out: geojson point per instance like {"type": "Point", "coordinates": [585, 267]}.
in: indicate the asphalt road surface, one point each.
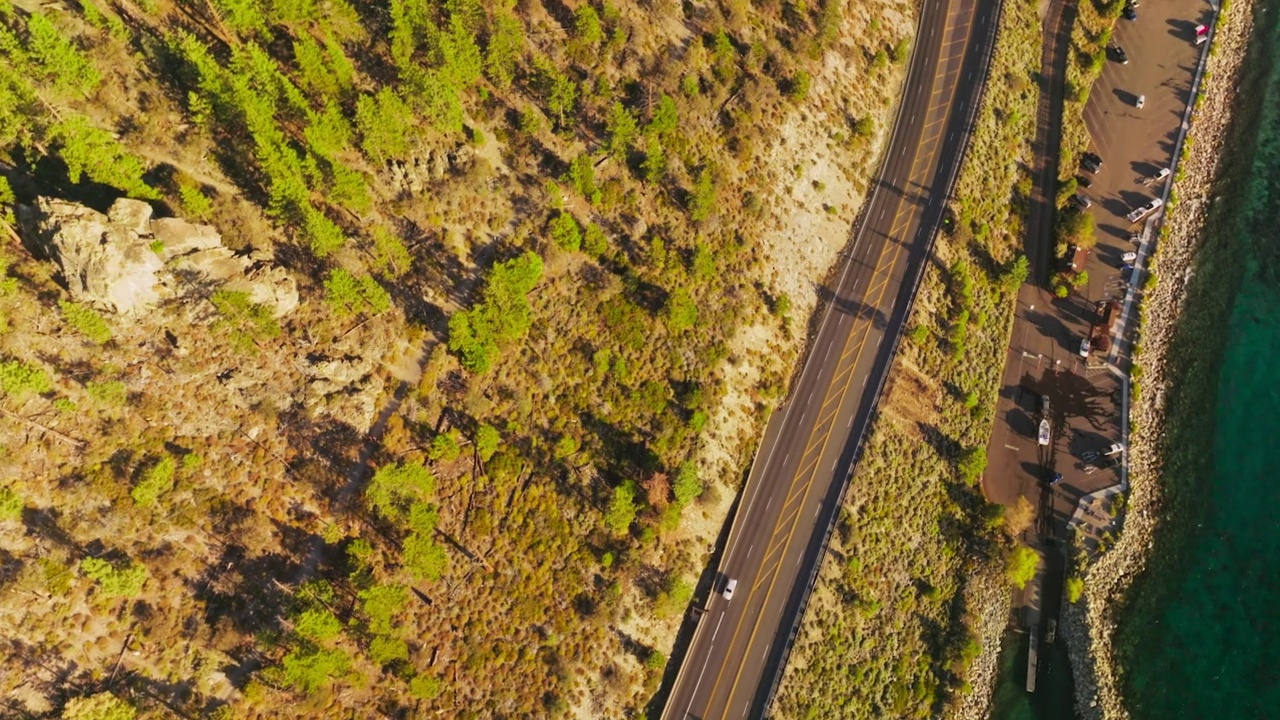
{"type": "Point", "coordinates": [807, 454]}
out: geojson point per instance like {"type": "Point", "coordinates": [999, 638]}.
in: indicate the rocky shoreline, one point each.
{"type": "Point", "coordinates": [1089, 626]}
{"type": "Point", "coordinates": [991, 601]}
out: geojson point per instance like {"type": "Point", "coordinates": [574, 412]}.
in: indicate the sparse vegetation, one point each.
{"type": "Point", "coordinates": [457, 408]}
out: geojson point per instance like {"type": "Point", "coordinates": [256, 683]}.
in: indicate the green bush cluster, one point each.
{"type": "Point", "coordinates": [115, 580]}
{"type": "Point", "coordinates": [245, 323]}
{"type": "Point", "coordinates": [86, 320]}
{"type": "Point", "coordinates": [501, 317]}
{"type": "Point", "coordinates": [402, 495]}
{"type": "Point", "coordinates": [348, 294]}
{"type": "Point", "coordinates": [155, 481]}
{"type": "Point", "coordinates": [18, 379]}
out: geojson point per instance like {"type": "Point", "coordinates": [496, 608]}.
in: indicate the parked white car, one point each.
{"type": "Point", "coordinates": [1145, 210]}
{"type": "Point", "coordinates": [1129, 257]}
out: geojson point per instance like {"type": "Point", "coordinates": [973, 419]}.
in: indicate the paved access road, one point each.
{"type": "Point", "coordinates": [807, 453]}
{"type": "Point", "coordinates": [1085, 395]}
{"type": "Point", "coordinates": [1133, 143]}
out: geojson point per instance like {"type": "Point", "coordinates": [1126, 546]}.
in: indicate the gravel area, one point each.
{"type": "Point", "coordinates": [1089, 626]}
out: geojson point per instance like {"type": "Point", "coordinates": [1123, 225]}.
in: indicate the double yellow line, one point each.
{"type": "Point", "coordinates": [837, 391]}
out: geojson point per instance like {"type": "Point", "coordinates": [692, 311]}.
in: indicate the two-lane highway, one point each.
{"type": "Point", "coordinates": [809, 448]}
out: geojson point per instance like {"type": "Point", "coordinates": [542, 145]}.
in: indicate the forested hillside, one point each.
{"type": "Point", "coordinates": [466, 317]}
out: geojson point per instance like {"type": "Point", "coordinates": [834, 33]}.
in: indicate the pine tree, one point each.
{"type": "Point", "coordinates": [91, 151]}
{"type": "Point", "coordinates": [58, 59]}
{"type": "Point", "coordinates": [385, 123]}
{"type": "Point", "coordinates": [506, 45]}
{"type": "Point", "coordinates": [622, 129]}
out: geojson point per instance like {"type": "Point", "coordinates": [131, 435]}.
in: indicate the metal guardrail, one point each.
{"type": "Point", "coordinates": [915, 286]}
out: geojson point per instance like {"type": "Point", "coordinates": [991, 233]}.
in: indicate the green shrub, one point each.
{"type": "Point", "coordinates": [654, 166]}
{"type": "Point", "coordinates": [424, 557]}
{"type": "Point", "coordinates": [86, 320]}
{"type": "Point", "coordinates": [1023, 563]}
{"type": "Point", "coordinates": [425, 687]}
{"type": "Point", "coordinates": [18, 379]}
{"type": "Point", "coordinates": [383, 650]}
{"type": "Point", "coordinates": [310, 669]}
{"type": "Point", "coordinates": [800, 84]}
{"type": "Point", "coordinates": [317, 624]}
{"type": "Point", "coordinates": [687, 486]}
{"type": "Point", "coordinates": [502, 316]}
{"type": "Point", "coordinates": [901, 51]}
{"type": "Point", "coordinates": [245, 323]}
{"type": "Point", "coordinates": [594, 242]}
{"type": "Point", "coordinates": [156, 481]}
{"type": "Point", "coordinates": [115, 580]}
{"type": "Point", "coordinates": [195, 204]}
{"type": "Point", "coordinates": [347, 294]}
{"type": "Point", "coordinates": [702, 198]}
{"type": "Point", "coordinates": [622, 129]}
{"type": "Point", "coordinates": [94, 152]}
{"type": "Point", "coordinates": [680, 311]}
{"type": "Point", "coordinates": [108, 392]}
{"type": "Point", "coordinates": [395, 488]}
{"type": "Point", "coordinates": [655, 661]}
{"type": "Point", "coordinates": [381, 603]}
{"type": "Point", "coordinates": [11, 504]}
{"type": "Point", "coordinates": [972, 463]}
{"type": "Point", "coordinates": [444, 447]}
{"type": "Point", "coordinates": [103, 706]}
{"type": "Point", "coordinates": [622, 509]}
{"type": "Point", "coordinates": [675, 598]}
{"type": "Point", "coordinates": [1075, 588]}
{"type": "Point", "coordinates": [582, 176]}
{"type": "Point", "coordinates": [565, 232]}
{"type": "Point", "coordinates": [486, 442]}
{"type": "Point", "coordinates": [385, 123]}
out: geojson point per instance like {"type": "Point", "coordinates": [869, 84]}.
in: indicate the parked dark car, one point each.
{"type": "Point", "coordinates": [1122, 57]}
{"type": "Point", "coordinates": [1130, 13]}
{"type": "Point", "coordinates": [1091, 162]}
{"type": "Point", "coordinates": [1083, 181]}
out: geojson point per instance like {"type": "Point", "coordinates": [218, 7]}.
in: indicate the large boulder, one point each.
{"type": "Point", "coordinates": [105, 261]}
{"type": "Point", "coordinates": [126, 263]}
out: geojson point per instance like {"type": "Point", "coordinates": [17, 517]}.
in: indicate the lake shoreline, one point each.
{"type": "Point", "coordinates": [1090, 626]}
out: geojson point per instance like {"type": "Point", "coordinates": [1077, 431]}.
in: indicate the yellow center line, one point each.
{"type": "Point", "coordinates": [795, 478]}
{"type": "Point", "coordinates": [855, 349]}
{"type": "Point", "coordinates": [791, 534]}
{"type": "Point", "coordinates": [808, 484]}
{"type": "Point", "coordinates": [935, 122]}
